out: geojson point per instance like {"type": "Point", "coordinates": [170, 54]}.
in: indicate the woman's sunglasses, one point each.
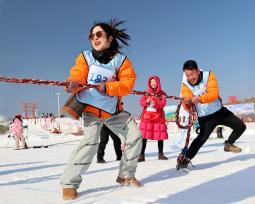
{"type": "Point", "coordinates": [98, 34]}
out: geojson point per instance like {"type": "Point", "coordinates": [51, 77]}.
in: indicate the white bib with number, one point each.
{"type": "Point", "coordinates": [98, 73]}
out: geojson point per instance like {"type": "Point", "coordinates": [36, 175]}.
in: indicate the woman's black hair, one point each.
{"type": "Point", "coordinates": [111, 29]}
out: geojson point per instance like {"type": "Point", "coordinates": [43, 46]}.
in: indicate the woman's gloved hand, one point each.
{"type": "Point", "coordinates": [102, 88]}
{"type": "Point", "coordinates": [71, 85]}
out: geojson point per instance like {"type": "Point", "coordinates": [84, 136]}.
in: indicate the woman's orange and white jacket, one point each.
{"type": "Point", "coordinates": [121, 87]}
{"type": "Point", "coordinates": [208, 92]}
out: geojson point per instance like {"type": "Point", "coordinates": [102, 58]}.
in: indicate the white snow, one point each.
{"type": "Point", "coordinates": [32, 176]}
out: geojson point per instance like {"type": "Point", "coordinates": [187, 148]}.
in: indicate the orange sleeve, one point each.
{"type": "Point", "coordinates": [212, 90]}
{"type": "Point", "coordinates": [186, 93]}
{"type": "Point", "coordinates": [79, 72]}
{"type": "Point", "coordinates": [125, 83]}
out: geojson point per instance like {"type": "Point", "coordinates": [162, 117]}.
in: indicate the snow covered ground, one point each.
{"type": "Point", "coordinates": [32, 176]}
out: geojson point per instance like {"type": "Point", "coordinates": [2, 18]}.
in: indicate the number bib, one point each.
{"type": "Point", "coordinates": [98, 74]}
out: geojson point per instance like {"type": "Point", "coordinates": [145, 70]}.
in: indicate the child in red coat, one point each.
{"type": "Point", "coordinates": [153, 123]}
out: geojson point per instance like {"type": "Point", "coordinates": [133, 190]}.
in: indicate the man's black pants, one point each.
{"type": "Point", "coordinates": [207, 125]}
{"type": "Point", "coordinates": [104, 138]}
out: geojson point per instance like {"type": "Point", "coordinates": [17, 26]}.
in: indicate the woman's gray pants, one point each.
{"type": "Point", "coordinates": [124, 127]}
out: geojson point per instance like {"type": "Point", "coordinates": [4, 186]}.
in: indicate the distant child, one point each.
{"type": "Point", "coordinates": [17, 132]}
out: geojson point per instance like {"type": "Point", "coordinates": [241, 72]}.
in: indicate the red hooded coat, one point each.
{"type": "Point", "coordinates": [153, 122]}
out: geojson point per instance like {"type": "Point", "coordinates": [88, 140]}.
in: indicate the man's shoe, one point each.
{"type": "Point", "coordinates": [161, 156]}
{"type": "Point", "coordinates": [100, 161]}
{"type": "Point", "coordinates": [231, 148]}
{"type": "Point", "coordinates": [182, 162]}
{"type": "Point", "coordinates": [141, 158]}
{"type": "Point", "coordinates": [69, 193]}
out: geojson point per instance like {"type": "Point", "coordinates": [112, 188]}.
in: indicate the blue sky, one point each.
{"type": "Point", "coordinates": [41, 39]}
